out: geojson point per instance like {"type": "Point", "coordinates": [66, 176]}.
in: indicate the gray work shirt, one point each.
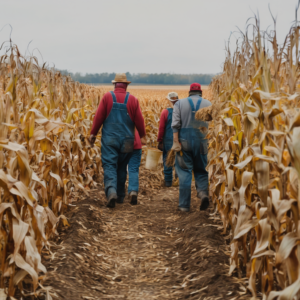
{"type": "Point", "coordinates": [182, 112]}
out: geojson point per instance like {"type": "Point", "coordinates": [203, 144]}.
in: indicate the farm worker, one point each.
{"type": "Point", "coordinates": [190, 143]}
{"type": "Point", "coordinates": [119, 113]}
{"type": "Point", "coordinates": [133, 170]}
{"type": "Point", "coordinates": [165, 136]}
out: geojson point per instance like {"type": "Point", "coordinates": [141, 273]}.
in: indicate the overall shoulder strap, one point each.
{"type": "Point", "coordinates": [191, 104]}
{"type": "Point", "coordinates": [126, 98]}
{"type": "Point", "coordinates": [198, 104]}
{"type": "Point", "coordinates": [114, 97]}
{"type": "Point", "coordinates": [170, 114]}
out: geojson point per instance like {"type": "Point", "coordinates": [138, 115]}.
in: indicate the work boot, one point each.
{"type": "Point", "coordinates": [133, 196]}
{"type": "Point", "coordinates": [185, 209]}
{"type": "Point", "coordinates": [203, 195]}
{"type": "Point", "coordinates": [120, 200]}
{"type": "Point", "coordinates": [111, 200]}
{"type": "Point", "coordinates": [204, 203]}
{"type": "Point", "coordinates": [168, 183]}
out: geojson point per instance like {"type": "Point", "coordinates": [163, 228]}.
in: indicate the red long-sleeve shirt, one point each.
{"type": "Point", "coordinates": [133, 108]}
{"type": "Point", "coordinates": [137, 141]}
{"type": "Point", "coordinates": [162, 125]}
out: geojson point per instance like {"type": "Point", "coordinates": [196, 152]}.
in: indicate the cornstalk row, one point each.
{"type": "Point", "coordinates": [254, 161]}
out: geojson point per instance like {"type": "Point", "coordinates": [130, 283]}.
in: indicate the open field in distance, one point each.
{"type": "Point", "coordinates": [153, 87]}
{"type": "Point", "coordinates": [158, 92]}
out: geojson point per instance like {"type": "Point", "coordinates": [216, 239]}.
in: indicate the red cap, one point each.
{"type": "Point", "coordinates": [195, 87]}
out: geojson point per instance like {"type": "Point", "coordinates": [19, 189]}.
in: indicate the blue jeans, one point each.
{"type": "Point", "coordinates": [115, 170]}
{"type": "Point", "coordinates": [168, 171]}
{"type": "Point", "coordinates": [133, 170]}
{"type": "Point", "coordinates": [184, 165]}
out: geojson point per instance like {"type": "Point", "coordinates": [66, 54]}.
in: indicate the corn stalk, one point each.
{"type": "Point", "coordinates": [44, 160]}
{"type": "Point", "coordinates": [254, 161]}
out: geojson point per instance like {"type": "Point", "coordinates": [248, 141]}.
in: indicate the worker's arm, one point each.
{"type": "Point", "coordinates": [176, 125]}
{"type": "Point", "coordinates": [137, 118]}
{"type": "Point", "coordinates": [140, 126]}
{"type": "Point", "coordinates": [102, 112]}
{"type": "Point", "coordinates": [144, 140]}
{"type": "Point", "coordinates": [162, 125]}
{"type": "Point", "coordinates": [162, 128]}
{"type": "Point", "coordinates": [176, 118]}
{"type": "Point", "coordinates": [176, 145]}
{"type": "Point", "coordinates": [101, 115]}
{"type": "Point", "coordinates": [137, 141]}
{"type": "Point", "coordinates": [175, 137]}
{"type": "Point", "coordinates": [139, 121]}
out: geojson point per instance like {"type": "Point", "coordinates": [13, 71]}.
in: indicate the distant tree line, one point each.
{"type": "Point", "coordinates": [142, 78]}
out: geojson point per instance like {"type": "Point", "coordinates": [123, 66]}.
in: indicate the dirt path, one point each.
{"type": "Point", "coordinates": [149, 251]}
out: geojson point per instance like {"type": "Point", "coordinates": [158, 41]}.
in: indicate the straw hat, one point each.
{"type": "Point", "coordinates": [172, 95]}
{"type": "Point", "coordinates": [120, 77]}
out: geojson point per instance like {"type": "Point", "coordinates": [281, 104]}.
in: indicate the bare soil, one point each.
{"type": "Point", "coordinates": [148, 251]}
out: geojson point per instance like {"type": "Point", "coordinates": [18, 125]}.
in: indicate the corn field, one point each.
{"type": "Point", "coordinates": [45, 160]}
{"type": "Point", "coordinates": [254, 161]}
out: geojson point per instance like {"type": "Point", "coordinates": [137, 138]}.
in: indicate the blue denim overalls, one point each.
{"type": "Point", "coordinates": [116, 147]}
{"type": "Point", "coordinates": [133, 170]}
{"type": "Point", "coordinates": [193, 158]}
{"type": "Point", "coordinates": [167, 145]}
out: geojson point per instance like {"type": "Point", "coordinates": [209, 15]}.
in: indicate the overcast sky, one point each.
{"type": "Point", "coordinates": [150, 36]}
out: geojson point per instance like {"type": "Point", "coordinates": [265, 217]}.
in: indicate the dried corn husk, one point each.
{"type": "Point", "coordinates": [254, 161]}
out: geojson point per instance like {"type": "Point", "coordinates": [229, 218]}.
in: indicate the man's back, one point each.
{"type": "Point", "coordinates": [106, 105]}
{"type": "Point", "coordinates": [182, 111]}
{"type": "Point", "coordinates": [191, 147]}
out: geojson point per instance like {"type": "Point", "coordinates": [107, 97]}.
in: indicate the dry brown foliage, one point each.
{"type": "Point", "coordinates": [44, 160]}
{"type": "Point", "coordinates": [170, 161]}
{"type": "Point", "coordinates": [209, 113]}
{"type": "Point", "coordinates": [254, 163]}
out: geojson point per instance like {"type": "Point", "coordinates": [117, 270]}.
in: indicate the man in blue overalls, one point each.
{"type": "Point", "coordinates": [119, 113]}
{"type": "Point", "coordinates": [165, 136]}
{"type": "Point", "coordinates": [190, 143]}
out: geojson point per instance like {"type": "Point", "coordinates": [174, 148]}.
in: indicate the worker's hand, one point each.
{"type": "Point", "coordinates": [160, 146]}
{"type": "Point", "coordinates": [92, 140]}
{"type": "Point", "coordinates": [176, 146]}
{"type": "Point", "coordinates": [144, 140]}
